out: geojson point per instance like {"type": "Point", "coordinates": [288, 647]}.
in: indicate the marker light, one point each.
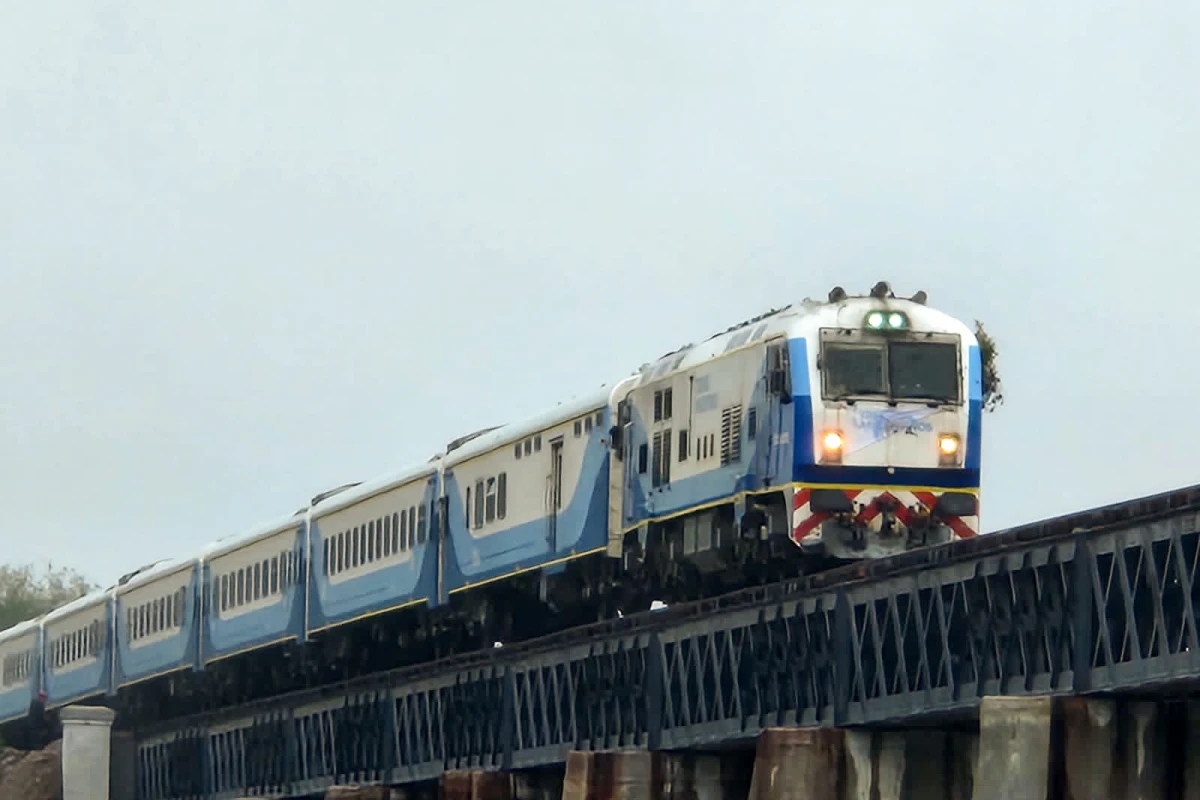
{"type": "Point", "coordinates": [833, 440]}
{"type": "Point", "coordinates": [890, 320]}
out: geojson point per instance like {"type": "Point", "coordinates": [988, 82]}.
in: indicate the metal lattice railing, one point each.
{"type": "Point", "coordinates": [1099, 601]}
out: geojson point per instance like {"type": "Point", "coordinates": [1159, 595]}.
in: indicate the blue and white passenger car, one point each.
{"type": "Point", "coordinates": [253, 590]}
{"type": "Point", "coordinates": [78, 659]}
{"type": "Point", "coordinates": [528, 495]}
{"type": "Point", "coordinates": [20, 668]}
{"type": "Point", "coordinates": [374, 549]}
{"type": "Point", "coordinates": [158, 621]}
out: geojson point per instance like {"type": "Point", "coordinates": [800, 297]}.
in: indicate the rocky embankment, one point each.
{"type": "Point", "coordinates": [35, 775]}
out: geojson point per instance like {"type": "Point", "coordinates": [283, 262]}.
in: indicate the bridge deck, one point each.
{"type": "Point", "coordinates": [1101, 601]}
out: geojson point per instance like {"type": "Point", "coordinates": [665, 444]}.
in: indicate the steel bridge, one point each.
{"type": "Point", "coordinates": [1101, 601]}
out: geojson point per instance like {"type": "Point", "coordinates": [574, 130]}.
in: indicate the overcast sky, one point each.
{"type": "Point", "coordinates": [250, 251]}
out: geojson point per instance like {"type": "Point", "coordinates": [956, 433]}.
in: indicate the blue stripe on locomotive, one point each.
{"type": "Point", "coordinates": [769, 454]}
{"type": "Point", "coordinates": [582, 525]}
{"type": "Point", "coordinates": [249, 630]}
{"type": "Point", "coordinates": [14, 701]}
{"type": "Point", "coordinates": [85, 680]}
{"type": "Point", "coordinates": [137, 663]}
{"type": "Point", "coordinates": [382, 589]}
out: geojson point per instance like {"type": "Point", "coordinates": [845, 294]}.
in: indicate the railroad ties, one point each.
{"type": "Point", "coordinates": [851, 676]}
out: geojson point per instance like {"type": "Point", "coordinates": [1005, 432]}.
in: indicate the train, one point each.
{"type": "Point", "coordinates": [829, 430]}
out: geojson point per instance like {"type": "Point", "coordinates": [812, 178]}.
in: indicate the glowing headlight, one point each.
{"type": "Point", "coordinates": [832, 441]}
{"type": "Point", "coordinates": [948, 444]}
{"type": "Point", "coordinates": [875, 320]}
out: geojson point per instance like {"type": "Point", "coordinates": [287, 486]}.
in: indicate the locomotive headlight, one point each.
{"type": "Point", "coordinates": [948, 446]}
{"type": "Point", "coordinates": [832, 443]}
{"type": "Point", "coordinates": [896, 321]}
{"type": "Point", "coordinates": [875, 320]}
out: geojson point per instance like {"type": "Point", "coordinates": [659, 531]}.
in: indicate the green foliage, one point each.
{"type": "Point", "coordinates": [26, 593]}
{"type": "Point", "coordinates": [993, 395]}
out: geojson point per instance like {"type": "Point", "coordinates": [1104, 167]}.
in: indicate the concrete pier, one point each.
{"type": "Point", "coordinates": [86, 752]}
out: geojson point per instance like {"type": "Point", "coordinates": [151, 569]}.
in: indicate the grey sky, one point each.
{"type": "Point", "coordinates": [253, 251]}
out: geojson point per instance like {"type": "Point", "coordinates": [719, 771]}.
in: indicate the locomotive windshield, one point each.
{"type": "Point", "coordinates": [897, 370]}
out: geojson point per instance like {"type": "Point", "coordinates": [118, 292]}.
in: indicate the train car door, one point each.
{"type": "Point", "coordinates": [554, 492]}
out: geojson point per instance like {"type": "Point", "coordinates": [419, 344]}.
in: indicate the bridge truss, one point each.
{"type": "Point", "coordinates": [1097, 602]}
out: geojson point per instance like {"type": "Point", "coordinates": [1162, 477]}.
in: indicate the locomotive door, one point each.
{"type": "Point", "coordinates": [554, 492]}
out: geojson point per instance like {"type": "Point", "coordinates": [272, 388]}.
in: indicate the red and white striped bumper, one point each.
{"type": "Point", "coordinates": [884, 518]}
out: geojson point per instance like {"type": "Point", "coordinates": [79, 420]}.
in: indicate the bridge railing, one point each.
{"type": "Point", "coordinates": [1098, 602]}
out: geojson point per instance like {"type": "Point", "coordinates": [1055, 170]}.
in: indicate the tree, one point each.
{"type": "Point", "coordinates": [26, 593]}
{"type": "Point", "coordinates": [993, 392]}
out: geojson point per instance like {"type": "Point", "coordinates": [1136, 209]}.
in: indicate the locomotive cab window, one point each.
{"type": "Point", "coordinates": [915, 368]}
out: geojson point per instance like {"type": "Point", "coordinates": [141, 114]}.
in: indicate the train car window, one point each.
{"type": "Point", "coordinates": [241, 588]}
{"type": "Point", "coordinates": [683, 444]}
{"type": "Point", "coordinates": [379, 538]}
{"type": "Point", "coordinates": [326, 563]}
{"type": "Point", "coordinates": [370, 541]}
{"type": "Point", "coordinates": [599, 419]}
{"type": "Point", "coordinates": [490, 501]}
{"type": "Point", "coordinates": [528, 446]}
{"type": "Point", "coordinates": [537, 444]}
{"type": "Point", "coordinates": [129, 623]}
{"type": "Point", "coordinates": [403, 530]}
{"type": "Point", "coordinates": [180, 600]}
{"type": "Point", "coordinates": [578, 429]}
{"type": "Point", "coordinates": [396, 541]}
{"type": "Point", "coordinates": [422, 522]}
{"type": "Point", "coordinates": [751, 423]}
{"type": "Point", "coordinates": [587, 425]}
{"type": "Point", "coordinates": [274, 576]}
{"type": "Point", "coordinates": [254, 590]}
{"type": "Point", "coordinates": [643, 458]}
{"type": "Point", "coordinates": [517, 451]}
{"type": "Point", "coordinates": [501, 495]}
{"type": "Point", "coordinates": [467, 509]}
{"type": "Point", "coordinates": [480, 501]}
{"type": "Point", "coordinates": [225, 592]}
{"type": "Point", "coordinates": [412, 526]}
{"type": "Point", "coordinates": [387, 536]}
